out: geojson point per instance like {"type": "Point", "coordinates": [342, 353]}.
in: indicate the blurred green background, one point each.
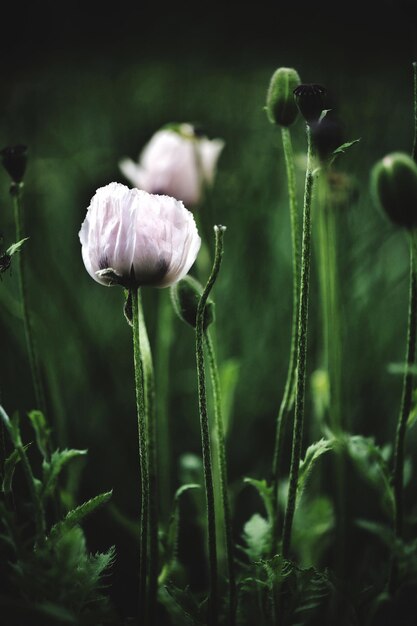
{"type": "Point", "coordinates": [83, 89]}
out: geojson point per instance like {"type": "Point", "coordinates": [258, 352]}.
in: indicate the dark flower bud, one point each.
{"type": "Point", "coordinates": [280, 106]}
{"type": "Point", "coordinates": [185, 296]}
{"type": "Point", "coordinates": [394, 187]}
{"type": "Point", "coordinates": [14, 160]}
{"type": "Point", "coordinates": [310, 101]}
{"type": "Point", "coordinates": [326, 135]}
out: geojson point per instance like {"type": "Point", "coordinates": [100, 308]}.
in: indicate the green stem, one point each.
{"type": "Point", "coordinates": [150, 418]}
{"type": "Point", "coordinates": [143, 456]}
{"type": "Point", "coordinates": [205, 431]}
{"type": "Point", "coordinates": [221, 446]}
{"type": "Point", "coordinates": [332, 343]}
{"type": "Point", "coordinates": [301, 355]}
{"type": "Point", "coordinates": [164, 342]}
{"type": "Point", "coordinates": [406, 403]}
{"type": "Point", "coordinates": [30, 479]}
{"type": "Point", "coordinates": [16, 191]}
{"type": "Point", "coordinates": [414, 152]}
{"type": "Point", "coordinates": [287, 399]}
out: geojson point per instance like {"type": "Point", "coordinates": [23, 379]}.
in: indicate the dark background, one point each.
{"type": "Point", "coordinates": [82, 86]}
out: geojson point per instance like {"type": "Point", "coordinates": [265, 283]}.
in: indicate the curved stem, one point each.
{"type": "Point", "coordinates": [150, 418]}
{"type": "Point", "coordinates": [301, 355]}
{"type": "Point", "coordinates": [221, 445]}
{"type": "Point", "coordinates": [205, 430]}
{"type": "Point", "coordinates": [16, 191]}
{"type": "Point", "coordinates": [406, 402]}
{"type": "Point", "coordinates": [143, 456]}
{"type": "Point", "coordinates": [287, 399]}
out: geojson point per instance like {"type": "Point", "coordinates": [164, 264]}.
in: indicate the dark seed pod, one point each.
{"type": "Point", "coordinates": [280, 106]}
{"type": "Point", "coordinates": [185, 296]}
{"type": "Point", "coordinates": [394, 187]}
{"type": "Point", "coordinates": [310, 101]}
{"type": "Point", "coordinates": [14, 160]}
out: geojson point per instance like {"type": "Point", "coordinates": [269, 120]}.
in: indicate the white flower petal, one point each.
{"type": "Point", "coordinates": [129, 229]}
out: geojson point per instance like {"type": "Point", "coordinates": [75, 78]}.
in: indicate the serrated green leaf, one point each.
{"type": "Point", "coordinates": [53, 467]}
{"type": "Point", "coordinates": [42, 431]}
{"type": "Point", "coordinates": [12, 426]}
{"type": "Point", "coordinates": [182, 606]}
{"type": "Point", "coordinates": [369, 460]}
{"type": "Point", "coordinates": [313, 453]}
{"type": "Point", "coordinates": [15, 247]}
{"type": "Point", "coordinates": [75, 516]}
{"type": "Point", "coordinates": [257, 536]}
{"type": "Point", "coordinates": [265, 492]}
{"type": "Point", "coordinates": [9, 468]}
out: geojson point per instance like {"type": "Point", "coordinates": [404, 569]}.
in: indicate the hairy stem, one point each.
{"type": "Point", "coordinates": [221, 446]}
{"type": "Point", "coordinates": [205, 431]}
{"type": "Point", "coordinates": [150, 417]}
{"type": "Point", "coordinates": [301, 355]}
{"type": "Point", "coordinates": [143, 456]}
{"type": "Point", "coordinates": [287, 398]}
{"type": "Point", "coordinates": [164, 341]}
{"type": "Point", "coordinates": [406, 402]}
{"type": "Point", "coordinates": [16, 191]}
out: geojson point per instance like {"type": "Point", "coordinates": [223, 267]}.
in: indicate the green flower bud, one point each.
{"type": "Point", "coordinates": [394, 187]}
{"type": "Point", "coordinates": [280, 106]}
{"type": "Point", "coordinates": [185, 296]}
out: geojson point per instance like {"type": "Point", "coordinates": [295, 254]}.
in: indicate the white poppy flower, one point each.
{"type": "Point", "coordinates": [176, 162]}
{"type": "Point", "coordinates": [133, 238]}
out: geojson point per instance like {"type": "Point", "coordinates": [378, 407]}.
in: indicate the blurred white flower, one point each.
{"type": "Point", "coordinates": [176, 162]}
{"type": "Point", "coordinates": [132, 238]}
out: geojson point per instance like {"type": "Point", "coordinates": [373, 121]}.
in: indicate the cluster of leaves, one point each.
{"type": "Point", "coordinates": [47, 574]}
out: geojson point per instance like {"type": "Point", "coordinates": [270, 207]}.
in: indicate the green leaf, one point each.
{"type": "Point", "coordinates": [369, 460]}
{"type": "Point", "coordinates": [257, 536]}
{"type": "Point", "coordinates": [265, 491]}
{"type": "Point", "coordinates": [42, 431]}
{"type": "Point", "coordinates": [15, 247]}
{"type": "Point", "coordinates": [75, 516]}
{"type": "Point", "coordinates": [9, 468]}
{"type": "Point", "coordinates": [182, 606]}
{"type": "Point", "coordinates": [345, 146]}
{"type": "Point", "coordinates": [313, 453]}
{"type": "Point", "coordinates": [402, 368]}
{"type": "Point", "coordinates": [12, 426]}
{"type": "Point", "coordinates": [52, 468]}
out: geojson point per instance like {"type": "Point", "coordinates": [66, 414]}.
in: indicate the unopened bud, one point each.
{"type": "Point", "coordinates": [185, 296]}
{"type": "Point", "coordinates": [280, 106]}
{"type": "Point", "coordinates": [14, 160]}
{"type": "Point", "coordinates": [394, 186]}
{"type": "Point", "coordinates": [310, 101]}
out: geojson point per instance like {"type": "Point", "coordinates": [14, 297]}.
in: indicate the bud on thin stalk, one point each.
{"type": "Point", "coordinates": [280, 106]}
